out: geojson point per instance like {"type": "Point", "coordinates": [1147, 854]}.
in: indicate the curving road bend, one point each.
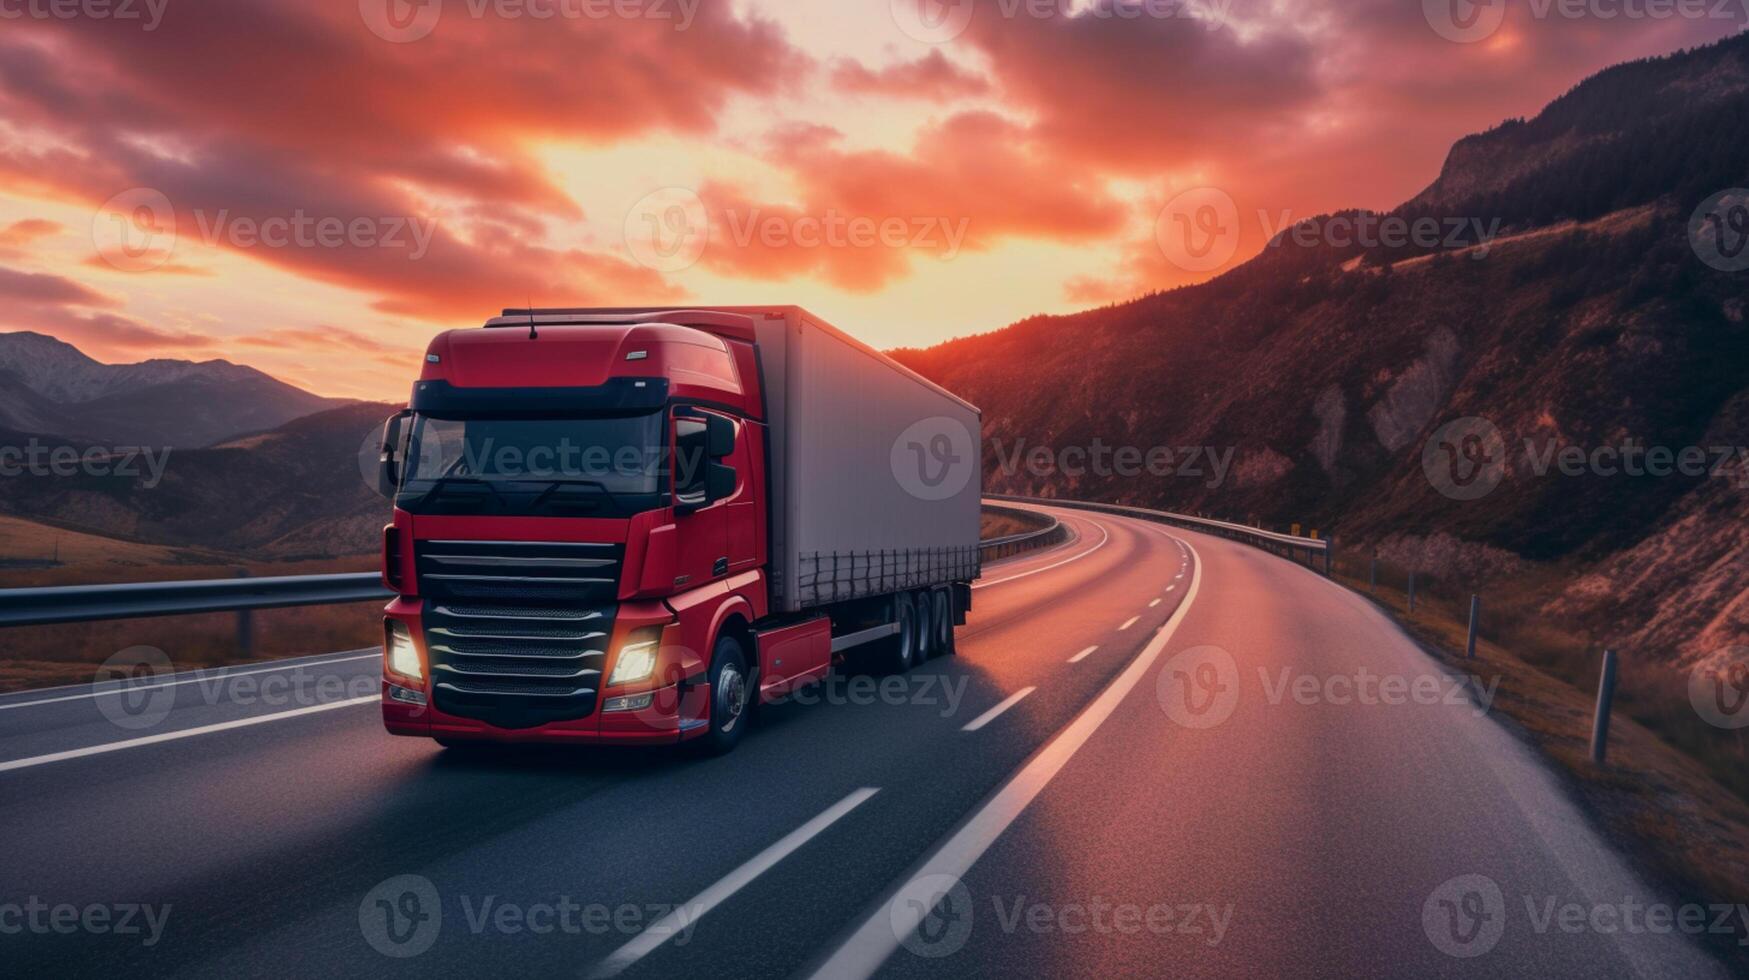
{"type": "Point", "coordinates": [1155, 753]}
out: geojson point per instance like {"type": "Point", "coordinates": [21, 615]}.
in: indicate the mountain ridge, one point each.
{"type": "Point", "coordinates": [1328, 370]}
{"type": "Point", "coordinates": [51, 387]}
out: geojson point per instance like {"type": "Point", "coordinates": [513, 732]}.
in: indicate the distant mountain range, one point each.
{"type": "Point", "coordinates": [1590, 321]}
{"type": "Point", "coordinates": [295, 491]}
{"type": "Point", "coordinates": [245, 463]}
{"type": "Point", "coordinates": [48, 386]}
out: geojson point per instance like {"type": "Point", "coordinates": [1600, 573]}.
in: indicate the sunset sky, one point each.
{"type": "Point", "coordinates": [467, 155]}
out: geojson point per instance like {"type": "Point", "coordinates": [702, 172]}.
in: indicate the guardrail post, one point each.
{"type": "Point", "coordinates": [1475, 619]}
{"type": "Point", "coordinates": [1372, 576]}
{"type": "Point", "coordinates": [1605, 700]}
{"type": "Point", "coordinates": [1329, 554]}
{"type": "Point", "coordinates": [245, 625]}
{"type": "Point", "coordinates": [1411, 591]}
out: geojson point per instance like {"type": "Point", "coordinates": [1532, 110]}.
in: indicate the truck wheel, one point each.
{"type": "Point", "coordinates": [899, 653]}
{"type": "Point", "coordinates": [943, 620]}
{"type": "Point", "coordinates": [926, 647]}
{"type": "Point", "coordinates": [731, 698]}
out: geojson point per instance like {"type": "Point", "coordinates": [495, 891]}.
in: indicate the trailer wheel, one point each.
{"type": "Point", "coordinates": [899, 653]}
{"type": "Point", "coordinates": [943, 620]}
{"type": "Point", "coordinates": [731, 699]}
{"type": "Point", "coordinates": [926, 647]}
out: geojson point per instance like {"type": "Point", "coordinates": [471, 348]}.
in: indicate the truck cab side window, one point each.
{"type": "Point", "coordinates": [691, 462]}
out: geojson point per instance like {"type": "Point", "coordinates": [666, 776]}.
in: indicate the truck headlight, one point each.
{"type": "Point", "coordinates": [403, 655]}
{"type": "Point", "coordinates": [637, 656]}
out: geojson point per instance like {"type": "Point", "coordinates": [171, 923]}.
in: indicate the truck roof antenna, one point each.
{"type": "Point", "coordinates": [532, 333]}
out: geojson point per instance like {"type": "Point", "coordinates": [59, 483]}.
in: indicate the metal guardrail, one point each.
{"type": "Point", "coordinates": [1285, 544]}
{"type": "Point", "coordinates": [1054, 532]}
{"type": "Point", "coordinates": [135, 600]}
{"type": "Point", "coordinates": [138, 600]}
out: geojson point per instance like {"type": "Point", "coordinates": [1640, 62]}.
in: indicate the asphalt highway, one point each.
{"type": "Point", "coordinates": [1156, 753]}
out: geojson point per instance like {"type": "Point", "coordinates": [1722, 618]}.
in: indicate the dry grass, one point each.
{"type": "Point", "coordinates": [1002, 523]}
{"type": "Point", "coordinates": [43, 656]}
{"type": "Point", "coordinates": [1671, 796]}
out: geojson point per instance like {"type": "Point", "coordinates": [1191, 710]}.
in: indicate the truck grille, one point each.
{"type": "Point", "coordinates": [517, 631]}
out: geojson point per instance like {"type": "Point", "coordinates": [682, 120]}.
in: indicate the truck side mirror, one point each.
{"type": "Point", "coordinates": [388, 467]}
{"type": "Point", "coordinates": [722, 436]}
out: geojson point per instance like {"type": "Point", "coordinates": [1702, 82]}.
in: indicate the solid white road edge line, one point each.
{"type": "Point", "coordinates": [688, 913]}
{"type": "Point", "coordinates": [213, 674]}
{"type": "Point", "coordinates": [990, 716]}
{"type": "Point", "coordinates": [223, 726]}
{"type": "Point", "coordinates": [898, 915]}
{"type": "Point", "coordinates": [1104, 537]}
{"type": "Point", "coordinates": [1084, 654]}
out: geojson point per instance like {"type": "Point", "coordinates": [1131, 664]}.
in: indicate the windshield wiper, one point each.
{"type": "Point", "coordinates": [556, 485]}
{"type": "Point", "coordinates": [443, 483]}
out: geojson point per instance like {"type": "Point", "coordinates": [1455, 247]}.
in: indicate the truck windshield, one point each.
{"type": "Point", "coordinates": [588, 467]}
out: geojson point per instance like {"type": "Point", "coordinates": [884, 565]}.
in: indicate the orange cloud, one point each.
{"type": "Point", "coordinates": [929, 77]}
{"type": "Point", "coordinates": [17, 237]}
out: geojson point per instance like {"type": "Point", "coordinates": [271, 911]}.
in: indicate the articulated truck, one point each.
{"type": "Point", "coordinates": [635, 525]}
